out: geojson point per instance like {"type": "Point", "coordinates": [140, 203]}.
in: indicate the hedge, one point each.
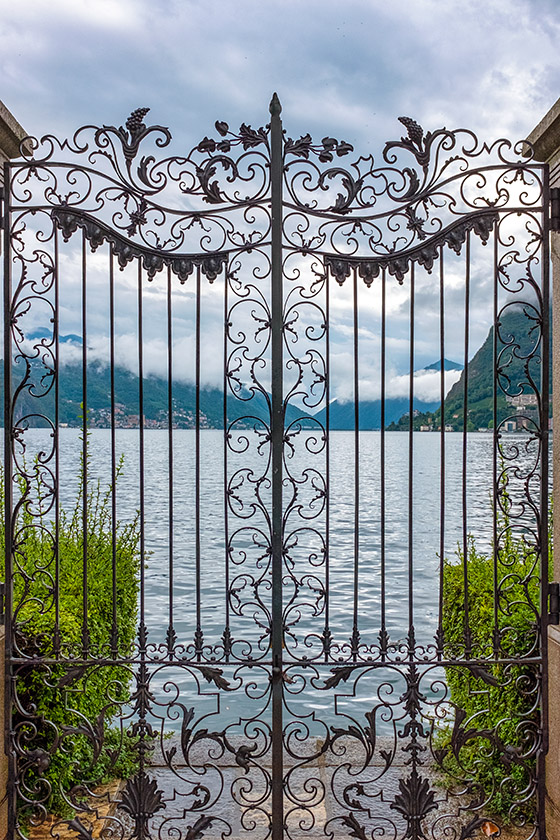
{"type": "Point", "coordinates": [492, 744]}
{"type": "Point", "coordinates": [64, 716]}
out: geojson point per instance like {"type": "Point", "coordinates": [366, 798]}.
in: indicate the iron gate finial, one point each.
{"type": "Point", "coordinates": [275, 106]}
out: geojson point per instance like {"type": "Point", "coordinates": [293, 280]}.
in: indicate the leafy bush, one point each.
{"type": "Point", "coordinates": [64, 713]}
{"type": "Point", "coordinates": [491, 746]}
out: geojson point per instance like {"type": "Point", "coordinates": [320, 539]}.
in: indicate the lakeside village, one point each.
{"type": "Point", "coordinates": [522, 415]}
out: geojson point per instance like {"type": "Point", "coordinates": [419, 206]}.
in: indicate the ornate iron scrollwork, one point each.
{"type": "Point", "coordinates": [69, 220]}
{"type": "Point", "coordinates": [271, 222]}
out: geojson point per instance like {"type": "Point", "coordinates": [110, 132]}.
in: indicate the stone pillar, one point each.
{"type": "Point", "coordinates": [11, 134]}
{"type": "Point", "coordinates": [546, 142]}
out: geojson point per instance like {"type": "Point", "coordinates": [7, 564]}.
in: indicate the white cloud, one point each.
{"type": "Point", "coordinates": [343, 70]}
{"type": "Point", "coordinates": [350, 69]}
{"type": "Point", "coordinates": [427, 384]}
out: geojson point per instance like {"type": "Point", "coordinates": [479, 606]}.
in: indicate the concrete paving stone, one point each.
{"type": "Point", "coordinates": [314, 804]}
{"type": "Point", "coordinates": [239, 802]}
{"type": "Point", "coordinates": [208, 751]}
{"type": "Point", "coordinates": [181, 793]}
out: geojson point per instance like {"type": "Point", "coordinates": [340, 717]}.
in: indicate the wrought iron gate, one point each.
{"type": "Point", "coordinates": [305, 641]}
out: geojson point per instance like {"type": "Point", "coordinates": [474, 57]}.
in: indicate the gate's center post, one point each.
{"type": "Point", "coordinates": [277, 443]}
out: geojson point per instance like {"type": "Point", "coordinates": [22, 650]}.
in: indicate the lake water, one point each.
{"type": "Point", "coordinates": [305, 614]}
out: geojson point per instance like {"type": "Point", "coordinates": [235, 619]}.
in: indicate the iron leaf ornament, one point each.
{"type": "Point", "coordinates": [81, 831]}
{"type": "Point", "coordinates": [473, 828]}
{"type": "Point", "coordinates": [339, 674]}
{"type": "Point", "coordinates": [141, 799]}
{"type": "Point", "coordinates": [354, 828]}
{"type": "Point", "coordinates": [325, 151]}
{"type": "Point", "coordinates": [414, 801]}
{"type": "Point", "coordinates": [197, 830]}
{"type": "Point", "coordinates": [215, 675]}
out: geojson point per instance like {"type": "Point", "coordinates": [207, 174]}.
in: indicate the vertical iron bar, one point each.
{"type": "Point", "coordinates": [467, 632]}
{"type": "Point", "coordinates": [327, 630]}
{"type": "Point", "coordinates": [383, 636]}
{"type": "Point", "coordinates": [543, 535]}
{"type": "Point", "coordinates": [8, 505]}
{"type": "Point", "coordinates": [115, 628]}
{"type": "Point", "coordinates": [171, 635]}
{"type": "Point", "coordinates": [355, 640]}
{"type": "Point", "coordinates": [141, 464]}
{"type": "Point", "coordinates": [277, 444]}
{"type": "Point", "coordinates": [85, 620]}
{"type": "Point", "coordinates": [411, 634]}
{"type": "Point", "coordinates": [495, 547]}
{"type": "Point", "coordinates": [56, 632]}
{"type": "Point", "coordinates": [198, 633]}
{"type": "Point", "coordinates": [142, 678]}
{"type": "Point", "coordinates": [227, 630]}
{"type": "Point", "coordinates": [439, 637]}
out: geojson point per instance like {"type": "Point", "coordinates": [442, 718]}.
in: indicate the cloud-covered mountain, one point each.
{"type": "Point", "coordinates": [342, 414]}
{"type": "Point", "coordinates": [515, 359]}
{"type": "Point", "coordinates": [127, 408]}
{"type": "Point", "coordinates": [156, 397]}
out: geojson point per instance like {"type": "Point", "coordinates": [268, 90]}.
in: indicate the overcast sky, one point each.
{"type": "Point", "coordinates": [347, 68]}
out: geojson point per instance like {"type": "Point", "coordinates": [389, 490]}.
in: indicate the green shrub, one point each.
{"type": "Point", "coordinates": [64, 715]}
{"type": "Point", "coordinates": [491, 747]}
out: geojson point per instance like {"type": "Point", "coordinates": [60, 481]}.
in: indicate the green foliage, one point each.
{"type": "Point", "coordinates": [65, 715]}
{"type": "Point", "coordinates": [493, 740]}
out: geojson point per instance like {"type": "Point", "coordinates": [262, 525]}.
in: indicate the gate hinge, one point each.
{"type": "Point", "coordinates": [555, 209]}
{"type": "Point", "coordinates": [554, 603]}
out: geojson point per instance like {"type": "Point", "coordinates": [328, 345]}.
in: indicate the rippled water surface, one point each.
{"type": "Point", "coordinates": [307, 616]}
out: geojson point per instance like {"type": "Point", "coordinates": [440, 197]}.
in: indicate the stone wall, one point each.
{"type": "Point", "coordinates": [11, 134]}
{"type": "Point", "coordinates": [546, 141]}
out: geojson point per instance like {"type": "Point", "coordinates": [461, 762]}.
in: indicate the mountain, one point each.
{"type": "Point", "coordinates": [514, 322]}
{"type": "Point", "coordinates": [447, 365]}
{"type": "Point", "coordinates": [341, 414]}
{"type": "Point", "coordinates": [514, 326]}
{"type": "Point", "coordinates": [43, 332]}
{"type": "Point", "coordinates": [514, 342]}
{"type": "Point", "coordinates": [184, 401]}
{"type": "Point", "coordinates": [155, 398]}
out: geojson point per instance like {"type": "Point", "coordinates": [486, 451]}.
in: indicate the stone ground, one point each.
{"type": "Point", "coordinates": [173, 822]}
